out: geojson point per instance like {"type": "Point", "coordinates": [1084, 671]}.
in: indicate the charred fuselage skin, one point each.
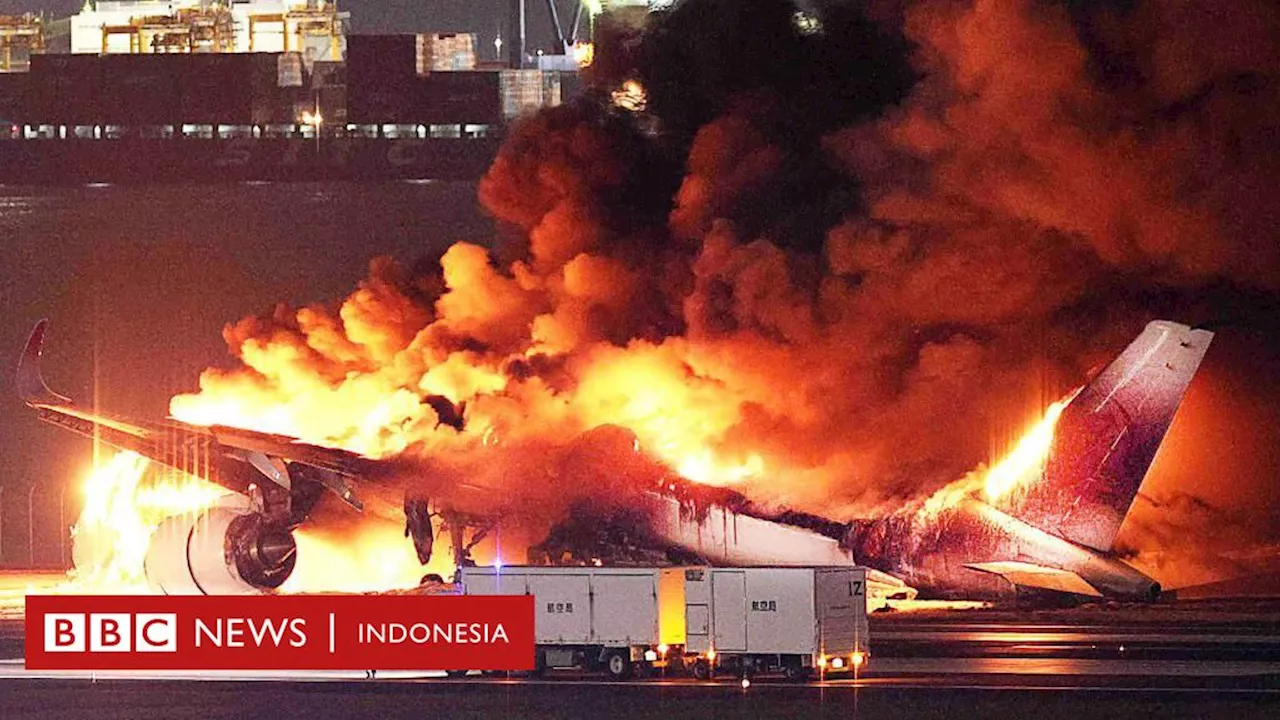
{"type": "Point", "coordinates": [935, 554]}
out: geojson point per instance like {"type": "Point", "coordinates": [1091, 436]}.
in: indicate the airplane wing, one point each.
{"type": "Point", "coordinates": [231, 457]}
{"type": "Point", "coordinates": [883, 586]}
{"type": "Point", "coordinates": [1038, 576]}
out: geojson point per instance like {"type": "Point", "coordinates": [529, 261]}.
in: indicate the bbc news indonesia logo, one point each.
{"type": "Point", "coordinates": [110, 632]}
{"type": "Point", "coordinates": [426, 632]}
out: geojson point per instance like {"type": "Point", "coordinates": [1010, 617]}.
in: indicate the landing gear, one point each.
{"type": "Point", "coordinates": [464, 531]}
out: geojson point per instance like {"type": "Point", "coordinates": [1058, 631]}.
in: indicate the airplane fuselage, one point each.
{"type": "Point", "coordinates": [937, 554]}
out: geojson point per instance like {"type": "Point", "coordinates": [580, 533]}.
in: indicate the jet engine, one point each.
{"type": "Point", "coordinates": [228, 549]}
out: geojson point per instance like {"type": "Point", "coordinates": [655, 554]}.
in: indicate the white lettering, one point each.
{"type": "Point", "coordinates": [232, 632]}
{"type": "Point", "coordinates": [298, 627]}
{"type": "Point", "coordinates": [214, 635]}
{"type": "Point", "coordinates": [235, 632]}
{"type": "Point", "coordinates": [432, 633]}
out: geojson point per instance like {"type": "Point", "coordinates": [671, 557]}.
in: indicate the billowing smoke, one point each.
{"type": "Point", "coordinates": [833, 257]}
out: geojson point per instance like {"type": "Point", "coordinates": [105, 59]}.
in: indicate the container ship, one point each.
{"type": "Point", "coordinates": [160, 92]}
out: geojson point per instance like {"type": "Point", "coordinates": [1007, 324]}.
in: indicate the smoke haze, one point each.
{"type": "Point", "coordinates": [834, 270]}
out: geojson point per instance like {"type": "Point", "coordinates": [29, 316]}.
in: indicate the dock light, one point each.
{"type": "Point", "coordinates": [650, 656]}
{"type": "Point", "coordinates": [314, 119]}
{"type": "Point", "coordinates": [663, 648]}
{"type": "Point", "coordinates": [822, 661]}
{"type": "Point", "coordinates": [837, 663]}
{"type": "Point", "coordinates": [859, 658]}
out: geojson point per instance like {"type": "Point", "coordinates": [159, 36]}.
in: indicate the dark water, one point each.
{"type": "Point", "coordinates": [138, 283]}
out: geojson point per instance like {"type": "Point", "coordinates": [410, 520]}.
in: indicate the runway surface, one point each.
{"type": "Point", "coordinates": [1182, 661]}
{"type": "Point", "coordinates": [107, 700]}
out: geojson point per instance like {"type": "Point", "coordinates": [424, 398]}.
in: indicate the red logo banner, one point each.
{"type": "Point", "coordinates": [280, 632]}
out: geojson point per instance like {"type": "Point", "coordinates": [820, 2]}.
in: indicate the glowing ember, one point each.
{"type": "Point", "coordinates": [584, 53]}
{"type": "Point", "coordinates": [631, 96]}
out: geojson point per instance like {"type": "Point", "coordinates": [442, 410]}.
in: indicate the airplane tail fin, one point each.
{"type": "Point", "coordinates": [30, 381]}
{"type": "Point", "coordinates": [1108, 435]}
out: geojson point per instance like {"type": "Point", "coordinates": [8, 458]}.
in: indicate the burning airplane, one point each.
{"type": "Point", "coordinates": [1043, 519]}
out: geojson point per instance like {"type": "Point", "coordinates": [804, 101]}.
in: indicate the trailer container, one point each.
{"type": "Point", "coordinates": [793, 620]}
{"type": "Point", "coordinates": [620, 620]}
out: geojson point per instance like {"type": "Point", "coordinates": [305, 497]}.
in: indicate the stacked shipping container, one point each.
{"type": "Point", "coordinates": [525, 91]}
{"type": "Point", "coordinates": [153, 90]}
{"type": "Point", "coordinates": [387, 83]}
{"type": "Point", "coordinates": [441, 53]}
{"type": "Point", "coordinates": [379, 83]}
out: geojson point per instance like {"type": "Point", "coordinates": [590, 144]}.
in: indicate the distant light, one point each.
{"type": "Point", "coordinates": [663, 648]}
{"type": "Point", "coordinates": [806, 23]}
{"type": "Point", "coordinates": [711, 654]}
{"type": "Point", "coordinates": [650, 656]}
{"type": "Point", "coordinates": [822, 661]}
{"type": "Point", "coordinates": [584, 53]}
{"type": "Point", "coordinates": [859, 658]}
{"type": "Point", "coordinates": [746, 683]}
{"type": "Point", "coordinates": [497, 563]}
{"type": "Point", "coordinates": [630, 96]}
{"type": "Point", "coordinates": [837, 663]}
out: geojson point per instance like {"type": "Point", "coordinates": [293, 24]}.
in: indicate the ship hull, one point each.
{"type": "Point", "coordinates": [164, 161]}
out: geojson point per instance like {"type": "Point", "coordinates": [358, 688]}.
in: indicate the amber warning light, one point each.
{"type": "Point", "coordinates": [286, 632]}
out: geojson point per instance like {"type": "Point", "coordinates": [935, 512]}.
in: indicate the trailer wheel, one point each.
{"type": "Point", "coordinates": [702, 669]}
{"type": "Point", "coordinates": [618, 664]}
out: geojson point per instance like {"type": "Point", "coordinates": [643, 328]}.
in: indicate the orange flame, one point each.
{"type": "Point", "coordinates": [1020, 466]}
{"type": "Point", "coordinates": [1027, 458]}
{"type": "Point", "coordinates": [122, 507]}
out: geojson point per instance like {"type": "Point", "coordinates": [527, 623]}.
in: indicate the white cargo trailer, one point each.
{"type": "Point", "coordinates": [615, 619]}
{"type": "Point", "coordinates": [796, 621]}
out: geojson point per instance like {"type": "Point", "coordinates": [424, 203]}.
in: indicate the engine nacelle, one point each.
{"type": "Point", "coordinates": [225, 550]}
